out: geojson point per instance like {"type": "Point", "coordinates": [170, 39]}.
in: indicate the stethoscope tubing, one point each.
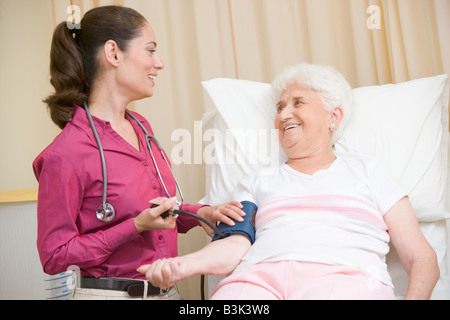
{"type": "Point", "coordinates": [102, 154]}
{"type": "Point", "coordinates": [217, 231]}
{"type": "Point", "coordinates": [106, 211]}
{"type": "Point", "coordinates": [149, 137]}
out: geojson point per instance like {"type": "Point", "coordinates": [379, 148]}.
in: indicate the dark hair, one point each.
{"type": "Point", "coordinates": [74, 59]}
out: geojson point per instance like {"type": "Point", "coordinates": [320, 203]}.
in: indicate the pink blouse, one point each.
{"type": "Point", "coordinates": [70, 179]}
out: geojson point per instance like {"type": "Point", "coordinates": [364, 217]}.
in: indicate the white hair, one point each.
{"type": "Point", "coordinates": [330, 84]}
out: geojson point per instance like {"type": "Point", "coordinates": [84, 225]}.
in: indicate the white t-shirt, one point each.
{"type": "Point", "coordinates": [334, 216]}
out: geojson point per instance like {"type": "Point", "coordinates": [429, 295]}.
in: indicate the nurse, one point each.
{"type": "Point", "coordinates": [108, 63]}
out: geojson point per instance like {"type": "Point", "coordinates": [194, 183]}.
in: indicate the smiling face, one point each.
{"type": "Point", "coordinates": [140, 65]}
{"type": "Point", "coordinates": [302, 122]}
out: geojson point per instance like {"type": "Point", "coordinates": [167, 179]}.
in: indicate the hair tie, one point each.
{"type": "Point", "coordinates": [74, 29]}
{"type": "Point", "coordinates": [75, 33]}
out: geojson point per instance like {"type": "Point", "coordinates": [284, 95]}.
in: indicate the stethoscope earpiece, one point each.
{"type": "Point", "coordinates": [105, 212]}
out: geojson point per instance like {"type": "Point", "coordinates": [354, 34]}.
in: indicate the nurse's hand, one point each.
{"type": "Point", "coordinates": [150, 219]}
{"type": "Point", "coordinates": [222, 213]}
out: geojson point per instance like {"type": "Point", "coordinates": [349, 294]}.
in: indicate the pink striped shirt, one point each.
{"type": "Point", "coordinates": [335, 216]}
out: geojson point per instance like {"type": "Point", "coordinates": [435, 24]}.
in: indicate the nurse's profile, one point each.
{"type": "Point", "coordinates": [100, 176]}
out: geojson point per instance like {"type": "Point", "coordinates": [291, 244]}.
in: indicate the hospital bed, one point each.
{"type": "Point", "coordinates": [405, 126]}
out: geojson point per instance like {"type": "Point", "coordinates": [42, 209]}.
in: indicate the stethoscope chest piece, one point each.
{"type": "Point", "coordinates": [105, 212]}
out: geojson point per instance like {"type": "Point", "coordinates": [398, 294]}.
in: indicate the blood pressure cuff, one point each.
{"type": "Point", "coordinates": [246, 227]}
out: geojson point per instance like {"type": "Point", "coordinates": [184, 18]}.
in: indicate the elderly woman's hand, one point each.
{"type": "Point", "coordinates": [166, 272]}
{"type": "Point", "coordinates": [222, 213]}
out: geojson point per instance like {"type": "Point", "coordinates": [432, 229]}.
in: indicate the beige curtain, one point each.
{"type": "Point", "coordinates": [371, 41]}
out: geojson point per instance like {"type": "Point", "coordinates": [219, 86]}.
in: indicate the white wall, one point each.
{"type": "Point", "coordinates": [26, 28]}
{"type": "Point", "coordinates": [21, 275]}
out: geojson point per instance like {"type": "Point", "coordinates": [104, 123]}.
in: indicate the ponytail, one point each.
{"type": "Point", "coordinates": [67, 76]}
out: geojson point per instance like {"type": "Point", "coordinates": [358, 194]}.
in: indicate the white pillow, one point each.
{"type": "Point", "coordinates": [400, 124]}
{"type": "Point", "coordinates": [245, 110]}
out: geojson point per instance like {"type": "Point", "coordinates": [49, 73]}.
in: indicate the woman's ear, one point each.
{"type": "Point", "coordinates": [336, 117]}
{"type": "Point", "coordinates": [111, 52]}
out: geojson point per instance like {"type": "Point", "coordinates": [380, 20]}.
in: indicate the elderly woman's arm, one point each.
{"type": "Point", "coordinates": [416, 254]}
{"type": "Point", "coordinates": [217, 258]}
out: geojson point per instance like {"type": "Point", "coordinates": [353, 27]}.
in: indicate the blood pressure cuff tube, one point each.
{"type": "Point", "coordinates": [246, 227]}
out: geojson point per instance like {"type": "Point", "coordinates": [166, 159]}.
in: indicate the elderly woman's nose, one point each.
{"type": "Point", "coordinates": [286, 113]}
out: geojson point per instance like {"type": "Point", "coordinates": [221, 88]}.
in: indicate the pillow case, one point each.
{"type": "Point", "coordinates": [244, 110]}
{"type": "Point", "coordinates": [403, 125]}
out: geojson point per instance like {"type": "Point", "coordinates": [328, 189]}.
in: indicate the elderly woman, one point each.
{"type": "Point", "coordinates": [324, 220]}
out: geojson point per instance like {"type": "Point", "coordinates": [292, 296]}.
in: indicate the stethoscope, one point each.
{"type": "Point", "coordinates": [106, 212]}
